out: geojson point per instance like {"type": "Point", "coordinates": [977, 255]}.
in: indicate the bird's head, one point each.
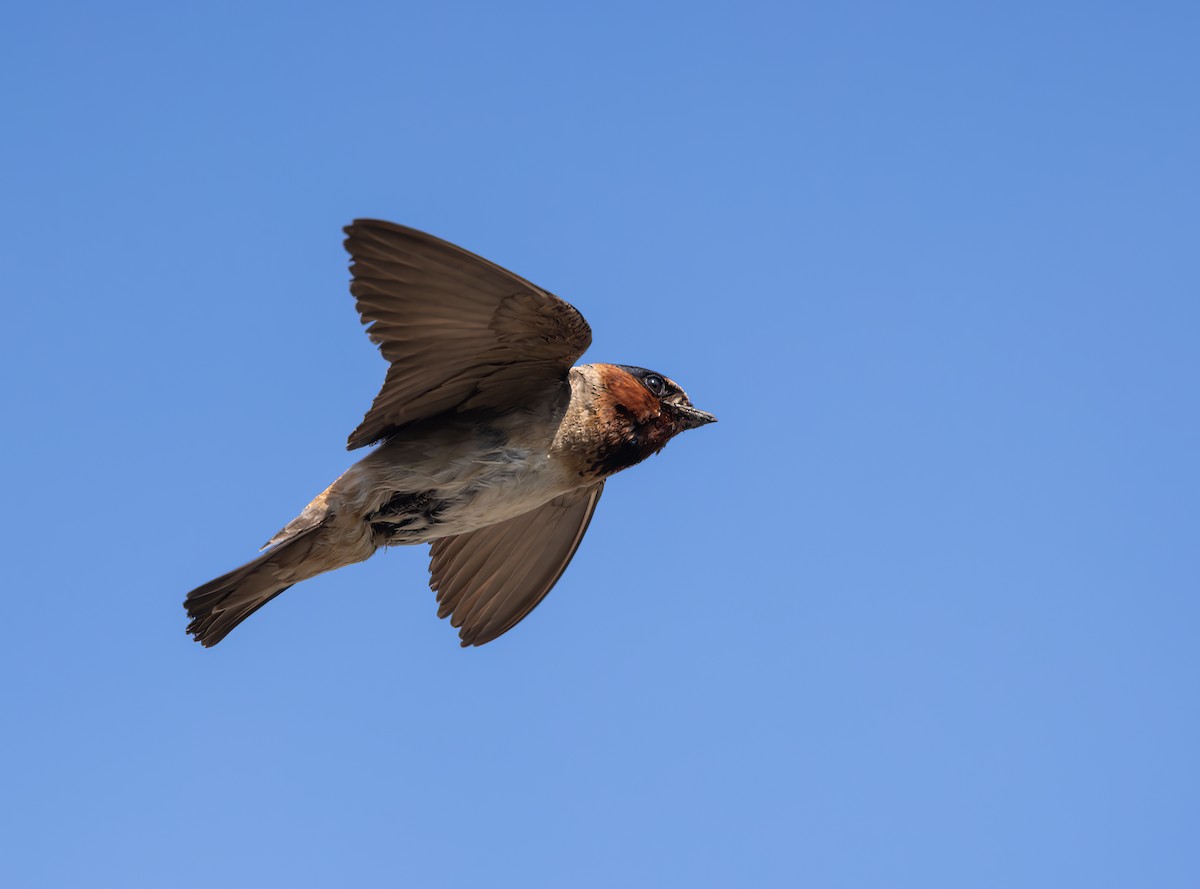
{"type": "Point", "coordinates": [636, 412]}
{"type": "Point", "coordinates": [672, 402]}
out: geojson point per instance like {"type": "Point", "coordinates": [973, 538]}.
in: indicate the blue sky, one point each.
{"type": "Point", "coordinates": [920, 611]}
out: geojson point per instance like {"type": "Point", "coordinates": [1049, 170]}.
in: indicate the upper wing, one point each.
{"type": "Point", "coordinates": [459, 331]}
{"type": "Point", "coordinates": [489, 579]}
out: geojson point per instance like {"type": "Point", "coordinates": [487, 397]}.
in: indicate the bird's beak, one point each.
{"type": "Point", "coordinates": [690, 417]}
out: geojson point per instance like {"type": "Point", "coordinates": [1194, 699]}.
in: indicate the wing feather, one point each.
{"type": "Point", "coordinates": [487, 581]}
{"type": "Point", "coordinates": [459, 332]}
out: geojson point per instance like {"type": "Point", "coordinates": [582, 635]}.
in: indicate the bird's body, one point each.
{"type": "Point", "coordinates": [502, 468]}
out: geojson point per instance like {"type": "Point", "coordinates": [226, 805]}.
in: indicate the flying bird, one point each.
{"type": "Point", "coordinates": [493, 448]}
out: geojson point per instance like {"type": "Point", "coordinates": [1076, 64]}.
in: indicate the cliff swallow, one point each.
{"type": "Point", "coordinates": [492, 447]}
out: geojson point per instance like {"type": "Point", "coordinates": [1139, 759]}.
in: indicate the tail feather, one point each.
{"type": "Point", "coordinates": [221, 604]}
{"type": "Point", "coordinates": [212, 626]}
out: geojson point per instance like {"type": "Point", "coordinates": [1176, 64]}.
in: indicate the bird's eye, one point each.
{"type": "Point", "coordinates": [655, 384]}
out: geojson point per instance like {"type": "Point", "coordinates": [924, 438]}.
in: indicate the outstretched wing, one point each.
{"type": "Point", "coordinates": [488, 580]}
{"type": "Point", "coordinates": [460, 332]}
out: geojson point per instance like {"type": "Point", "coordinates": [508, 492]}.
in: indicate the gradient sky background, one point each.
{"type": "Point", "coordinates": [921, 611]}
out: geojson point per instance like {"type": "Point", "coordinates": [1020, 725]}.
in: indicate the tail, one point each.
{"type": "Point", "coordinates": [220, 605]}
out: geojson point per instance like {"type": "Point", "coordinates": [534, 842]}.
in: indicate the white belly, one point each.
{"type": "Point", "coordinates": [419, 490]}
